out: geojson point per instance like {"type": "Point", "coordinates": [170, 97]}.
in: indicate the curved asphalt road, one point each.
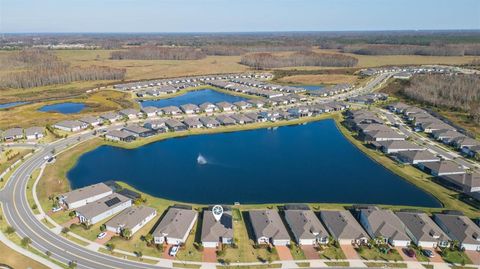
{"type": "Point", "coordinates": [18, 213]}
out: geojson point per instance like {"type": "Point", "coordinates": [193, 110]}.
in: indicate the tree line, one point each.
{"type": "Point", "coordinates": [301, 58]}
{"type": "Point", "coordinates": [430, 50]}
{"type": "Point", "coordinates": [158, 53]}
{"type": "Point", "coordinates": [460, 92]}
{"type": "Point", "coordinates": [39, 67]}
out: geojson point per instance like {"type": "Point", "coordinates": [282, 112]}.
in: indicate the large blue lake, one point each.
{"type": "Point", "coordinates": [64, 108]}
{"type": "Point", "coordinates": [304, 163]}
{"type": "Point", "coordinates": [194, 97]}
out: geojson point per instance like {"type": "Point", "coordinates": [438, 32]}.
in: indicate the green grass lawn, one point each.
{"type": "Point", "coordinates": [332, 253]}
{"type": "Point", "coordinates": [297, 252]}
{"type": "Point", "coordinates": [338, 264]}
{"type": "Point", "coordinates": [455, 256]}
{"type": "Point", "coordinates": [385, 264]}
{"type": "Point", "coordinates": [376, 255]}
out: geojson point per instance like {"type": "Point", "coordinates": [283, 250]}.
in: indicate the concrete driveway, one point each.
{"type": "Point", "coordinates": [404, 255]}
{"type": "Point", "coordinates": [209, 255]}
{"type": "Point", "coordinates": [69, 223]}
{"type": "Point", "coordinates": [437, 257]}
{"type": "Point", "coordinates": [474, 256]}
{"type": "Point", "coordinates": [107, 238]}
{"type": "Point", "coordinates": [310, 252]}
{"type": "Point", "coordinates": [350, 252]}
{"type": "Point", "coordinates": [284, 253]}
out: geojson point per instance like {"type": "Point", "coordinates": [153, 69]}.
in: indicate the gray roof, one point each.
{"type": "Point", "coordinates": [469, 182]}
{"type": "Point", "coordinates": [85, 192]}
{"type": "Point", "coordinates": [225, 119]}
{"type": "Point", "coordinates": [385, 134]}
{"type": "Point", "coordinates": [175, 223]}
{"type": "Point", "coordinates": [110, 116]}
{"type": "Point", "coordinates": [342, 225]}
{"type": "Point", "coordinates": [186, 107]}
{"type": "Point", "coordinates": [224, 104]}
{"type": "Point", "coordinates": [70, 123]}
{"type": "Point", "coordinates": [384, 223]}
{"type": "Point", "coordinates": [422, 227]}
{"type": "Point", "coordinates": [444, 166]}
{"type": "Point", "coordinates": [34, 130]}
{"type": "Point", "coordinates": [102, 205]}
{"type": "Point", "coordinates": [304, 224]}
{"type": "Point", "coordinates": [172, 123]}
{"type": "Point", "coordinates": [213, 230]}
{"type": "Point", "coordinates": [402, 144]}
{"type": "Point", "coordinates": [89, 119]}
{"type": "Point", "coordinates": [192, 122]}
{"type": "Point", "coordinates": [209, 120]}
{"type": "Point", "coordinates": [149, 109]}
{"type": "Point", "coordinates": [13, 132]}
{"type": "Point", "coordinates": [169, 109]}
{"type": "Point", "coordinates": [418, 155]}
{"type": "Point", "coordinates": [120, 134]}
{"type": "Point", "coordinates": [131, 217]}
{"type": "Point", "coordinates": [136, 129]}
{"type": "Point", "coordinates": [267, 223]}
{"type": "Point", "coordinates": [128, 111]}
{"type": "Point", "coordinates": [459, 228]}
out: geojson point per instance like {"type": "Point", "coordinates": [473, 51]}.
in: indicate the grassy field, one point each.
{"type": "Point", "coordinates": [319, 79]}
{"type": "Point", "coordinates": [9, 157]}
{"type": "Point", "coordinates": [96, 103]}
{"type": "Point", "coordinates": [17, 260]}
{"type": "Point", "coordinates": [376, 255]}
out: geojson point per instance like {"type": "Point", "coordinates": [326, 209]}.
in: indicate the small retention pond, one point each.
{"type": "Point", "coordinates": [64, 108]}
{"type": "Point", "coordinates": [303, 163]}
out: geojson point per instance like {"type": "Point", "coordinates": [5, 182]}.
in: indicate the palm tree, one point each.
{"type": "Point", "coordinates": [127, 233]}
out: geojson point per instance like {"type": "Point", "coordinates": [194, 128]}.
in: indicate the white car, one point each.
{"type": "Point", "coordinates": [173, 251]}
{"type": "Point", "coordinates": [56, 209]}
{"type": "Point", "coordinates": [102, 235]}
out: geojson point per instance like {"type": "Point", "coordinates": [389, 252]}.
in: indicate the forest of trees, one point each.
{"type": "Point", "coordinates": [301, 58]}
{"type": "Point", "coordinates": [38, 67]}
{"type": "Point", "coordinates": [461, 92]}
{"type": "Point", "coordinates": [431, 50]}
{"type": "Point", "coordinates": [158, 53]}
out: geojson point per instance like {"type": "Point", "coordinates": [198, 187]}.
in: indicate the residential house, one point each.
{"type": "Point", "coordinates": [190, 109]}
{"type": "Point", "coordinates": [383, 226]}
{"type": "Point", "coordinates": [157, 125]}
{"type": "Point", "coordinates": [422, 230]}
{"type": "Point", "coordinates": [91, 120]}
{"type": "Point", "coordinates": [129, 113]}
{"type": "Point", "coordinates": [461, 142]}
{"type": "Point", "coordinates": [32, 133]}
{"type": "Point", "coordinates": [268, 227]}
{"type": "Point", "coordinates": [70, 125]}
{"type": "Point", "coordinates": [13, 134]}
{"type": "Point", "coordinates": [241, 119]}
{"type": "Point", "coordinates": [417, 156]}
{"type": "Point", "coordinates": [441, 168]}
{"type": "Point", "coordinates": [208, 108]}
{"type": "Point", "coordinates": [460, 228]}
{"type": "Point", "coordinates": [175, 226]}
{"type": "Point", "coordinates": [466, 183]}
{"type": "Point", "coordinates": [171, 110]}
{"type": "Point", "coordinates": [383, 136]}
{"type": "Point", "coordinates": [395, 146]}
{"type": "Point", "coordinates": [132, 218]}
{"type": "Point", "coordinates": [119, 135]}
{"type": "Point", "coordinates": [344, 227]}
{"type": "Point", "coordinates": [102, 208]}
{"type": "Point", "coordinates": [139, 131]}
{"type": "Point", "coordinates": [216, 232]}
{"type": "Point", "coordinates": [225, 120]}
{"type": "Point", "coordinates": [111, 117]}
{"type": "Point", "coordinates": [305, 226]}
{"type": "Point", "coordinates": [175, 125]}
{"type": "Point", "coordinates": [82, 196]}
{"type": "Point", "coordinates": [193, 123]}
{"type": "Point", "coordinates": [150, 111]}
{"type": "Point", "coordinates": [225, 106]}
{"type": "Point", "coordinates": [446, 136]}
{"type": "Point", "coordinates": [209, 122]}
{"type": "Point", "coordinates": [242, 105]}
{"type": "Point", "coordinates": [257, 103]}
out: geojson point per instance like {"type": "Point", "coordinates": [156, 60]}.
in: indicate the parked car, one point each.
{"type": "Point", "coordinates": [173, 251]}
{"type": "Point", "coordinates": [428, 253]}
{"type": "Point", "coordinates": [56, 209]}
{"type": "Point", "coordinates": [102, 235]}
{"type": "Point", "coordinates": [410, 252]}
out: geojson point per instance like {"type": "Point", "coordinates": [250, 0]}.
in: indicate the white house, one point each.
{"type": "Point", "coordinates": [103, 208]}
{"type": "Point", "coordinates": [422, 230]}
{"type": "Point", "coordinates": [216, 232]}
{"type": "Point", "coordinates": [268, 227]}
{"type": "Point", "coordinates": [70, 125]}
{"type": "Point", "coordinates": [132, 218]}
{"type": "Point", "coordinates": [460, 228]}
{"type": "Point", "coordinates": [175, 226]}
{"type": "Point", "coordinates": [80, 197]}
{"type": "Point", "coordinates": [305, 226]}
{"type": "Point", "coordinates": [33, 133]}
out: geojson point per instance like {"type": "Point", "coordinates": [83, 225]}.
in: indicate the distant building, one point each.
{"type": "Point", "coordinates": [85, 195]}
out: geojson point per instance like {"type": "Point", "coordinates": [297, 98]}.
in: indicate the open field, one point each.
{"type": "Point", "coordinates": [96, 103]}
{"type": "Point", "coordinates": [16, 260]}
{"type": "Point", "coordinates": [320, 79]}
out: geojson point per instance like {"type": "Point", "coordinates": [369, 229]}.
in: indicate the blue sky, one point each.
{"type": "Point", "coordinates": [235, 16]}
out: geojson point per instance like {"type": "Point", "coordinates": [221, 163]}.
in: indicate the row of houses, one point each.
{"type": "Point", "coordinates": [17, 133]}
{"type": "Point", "coordinates": [161, 125]}
{"type": "Point", "coordinates": [370, 128]}
{"type": "Point", "coordinates": [240, 88]}
{"type": "Point", "coordinates": [267, 86]}
{"type": "Point", "coordinates": [193, 79]}
{"type": "Point", "coordinates": [408, 71]}
{"type": "Point", "coordinates": [422, 120]}
{"type": "Point", "coordinates": [166, 89]}
{"type": "Point", "coordinates": [95, 203]}
{"type": "Point", "coordinates": [333, 90]}
{"type": "Point", "coordinates": [368, 99]}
